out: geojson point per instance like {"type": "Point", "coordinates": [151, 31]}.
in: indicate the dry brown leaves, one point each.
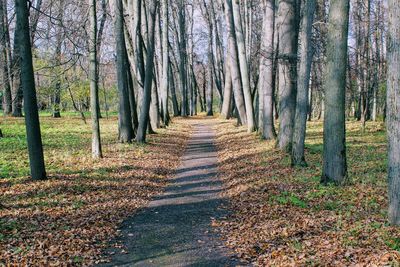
{"type": "Point", "coordinates": [70, 219]}
{"type": "Point", "coordinates": [282, 216]}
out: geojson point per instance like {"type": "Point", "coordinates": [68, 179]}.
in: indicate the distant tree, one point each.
{"type": "Point", "coordinates": [5, 60]}
{"type": "Point", "coordinates": [34, 138]}
{"type": "Point", "coordinates": [334, 155]}
{"type": "Point", "coordinates": [56, 98]}
{"type": "Point", "coordinates": [393, 107]}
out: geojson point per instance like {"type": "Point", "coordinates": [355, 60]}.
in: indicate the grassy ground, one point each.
{"type": "Point", "coordinates": [283, 216]}
{"type": "Point", "coordinates": [69, 219]}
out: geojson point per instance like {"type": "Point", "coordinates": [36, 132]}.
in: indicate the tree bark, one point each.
{"type": "Point", "coordinates": [267, 77]}
{"type": "Point", "coordinates": [288, 22]}
{"type": "Point", "coordinates": [175, 104]}
{"type": "Point", "coordinates": [154, 107]}
{"type": "Point", "coordinates": [16, 70]}
{"type": "Point", "coordinates": [234, 63]}
{"type": "Point", "coordinates": [182, 56]}
{"type": "Point", "coordinates": [393, 107]}
{"type": "Point", "coordinates": [244, 71]}
{"type": "Point", "coordinates": [56, 101]}
{"type": "Point", "coordinates": [4, 61]}
{"type": "Point", "coordinates": [132, 98]}
{"type": "Point", "coordinates": [212, 78]}
{"type": "Point", "coordinates": [126, 133]}
{"type": "Point", "coordinates": [165, 62]}
{"type": "Point", "coordinates": [144, 115]}
{"type": "Point", "coordinates": [304, 74]}
{"type": "Point", "coordinates": [94, 83]}
{"type": "Point", "coordinates": [334, 156]}
{"type": "Point", "coordinates": [34, 138]}
{"type": "Point", "coordinates": [226, 111]}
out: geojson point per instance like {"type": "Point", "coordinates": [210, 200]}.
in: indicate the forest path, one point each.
{"type": "Point", "coordinates": [175, 229]}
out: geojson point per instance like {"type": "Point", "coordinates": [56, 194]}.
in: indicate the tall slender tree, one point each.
{"type": "Point", "coordinates": [148, 82]}
{"type": "Point", "coordinates": [303, 82]}
{"type": "Point", "coordinates": [165, 63]}
{"type": "Point", "coordinates": [244, 70]}
{"type": "Point", "coordinates": [94, 84]}
{"type": "Point", "coordinates": [334, 155]}
{"type": "Point", "coordinates": [4, 61]}
{"type": "Point", "coordinates": [126, 133]}
{"type": "Point", "coordinates": [234, 63]}
{"type": "Point", "coordinates": [56, 98]}
{"type": "Point", "coordinates": [393, 107]}
{"type": "Point", "coordinates": [34, 138]}
{"type": "Point", "coordinates": [16, 71]}
{"type": "Point", "coordinates": [183, 56]}
{"type": "Point", "coordinates": [267, 76]}
{"type": "Point", "coordinates": [288, 24]}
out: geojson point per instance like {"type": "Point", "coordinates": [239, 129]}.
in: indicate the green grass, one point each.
{"type": "Point", "coordinates": [63, 139]}
{"type": "Point", "coordinates": [286, 198]}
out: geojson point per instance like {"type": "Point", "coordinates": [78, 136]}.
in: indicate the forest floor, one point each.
{"type": "Point", "coordinates": [278, 215]}
{"type": "Point", "coordinates": [72, 217]}
{"type": "Point", "coordinates": [283, 216]}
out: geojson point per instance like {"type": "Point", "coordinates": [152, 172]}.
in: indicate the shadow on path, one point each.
{"type": "Point", "coordinates": [175, 229]}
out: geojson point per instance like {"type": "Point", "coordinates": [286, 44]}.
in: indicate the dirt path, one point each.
{"type": "Point", "coordinates": [175, 229]}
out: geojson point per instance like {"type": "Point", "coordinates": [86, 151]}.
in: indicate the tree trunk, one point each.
{"type": "Point", "coordinates": [393, 107]}
{"type": "Point", "coordinates": [137, 40]}
{"type": "Point", "coordinates": [288, 23]}
{"type": "Point", "coordinates": [132, 98]}
{"type": "Point", "coordinates": [210, 82]}
{"type": "Point", "coordinates": [94, 83]}
{"type": "Point", "coordinates": [16, 70]}
{"type": "Point", "coordinates": [34, 139]}
{"type": "Point", "coordinates": [226, 111]}
{"type": "Point", "coordinates": [56, 101]}
{"type": "Point", "coordinates": [4, 62]}
{"type": "Point", "coordinates": [125, 120]}
{"type": "Point", "coordinates": [334, 156]}
{"type": "Point", "coordinates": [165, 61]}
{"type": "Point", "coordinates": [376, 68]}
{"type": "Point", "coordinates": [244, 71]}
{"type": "Point", "coordinates": [267, 77]}
{"type": "Point", "coordinates": [212, 79]}
{"type": "Point", "coordinates": [234, 63]}
{"type": "Point", "coordinates": [144, 115]}
{"type": "Point", "coordinates": [182, 56]}
{"type": "Point", "coordinates": [175, 104]}
{"type": "Point", "coordinates": [154, 107]}
{"type": "Point", "coordinates": [304, 74]}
